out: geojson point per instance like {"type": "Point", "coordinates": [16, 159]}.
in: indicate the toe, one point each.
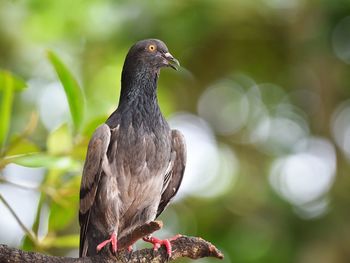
{"type": "Point", "coordinates": [167, 245]}
{"type": "Point", "coordinates": [114, 243]}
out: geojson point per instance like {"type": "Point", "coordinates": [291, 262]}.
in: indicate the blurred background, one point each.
{"type": "Point", "coordinates": [262, 98]}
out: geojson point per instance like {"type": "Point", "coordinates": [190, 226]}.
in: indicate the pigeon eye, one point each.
{"type": "Point", "coordinates": [151, 48]}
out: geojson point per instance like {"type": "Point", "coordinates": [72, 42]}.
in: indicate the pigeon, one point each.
{"type": "Point", "coordinates": [134, 163]}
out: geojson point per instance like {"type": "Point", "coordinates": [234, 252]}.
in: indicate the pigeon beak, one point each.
{"type": "Point", "coordinates": [172, 62]}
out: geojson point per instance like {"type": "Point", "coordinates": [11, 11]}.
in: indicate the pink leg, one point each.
{"type": "Point", "coordinates": [158, 242]}
{"type": "Point", "coordinates": [112, 240]}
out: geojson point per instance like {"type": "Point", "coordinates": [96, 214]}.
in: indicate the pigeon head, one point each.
{"type": "Point", "coordinates": [142, 67]}
{"type": "Point", "coordinates": [150, 55]}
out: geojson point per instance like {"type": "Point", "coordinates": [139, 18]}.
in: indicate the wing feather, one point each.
{"type": "Point", "coordinates": [173, 178]}
{"type": "Point", "coordinates": [96, 159]}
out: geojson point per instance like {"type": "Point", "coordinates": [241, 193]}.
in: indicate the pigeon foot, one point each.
{"type": "Point", "coordinates": [157, 243]}
{"type": "Point", "coordinates": [112, 240]}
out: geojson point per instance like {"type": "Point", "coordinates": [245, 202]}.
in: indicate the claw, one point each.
{"type": "Point", "coordinates": [112, 240]}
{"type": "Point", "coordinates": [157, 243]}
{"type": "Point", "coordinates": [129, 254]}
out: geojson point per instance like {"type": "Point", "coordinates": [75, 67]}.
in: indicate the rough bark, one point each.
{"type": "Point", "coordinates": [184, 246]}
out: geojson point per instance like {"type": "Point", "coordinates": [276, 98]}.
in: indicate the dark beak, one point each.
{"type": "Point", "coordinates": [172, 62]}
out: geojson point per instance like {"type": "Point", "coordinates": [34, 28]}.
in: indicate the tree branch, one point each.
{"type": "Point", "coordinates": [191, 247]}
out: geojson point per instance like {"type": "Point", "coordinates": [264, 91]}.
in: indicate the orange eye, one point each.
{"type": "Point", "coordinates": [152, 48]}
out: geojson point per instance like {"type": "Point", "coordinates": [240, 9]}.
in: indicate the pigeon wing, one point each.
{"type": "Point", "coordinates": [173, 178]}
{"type": "Point", "coordinates": [96, 159]}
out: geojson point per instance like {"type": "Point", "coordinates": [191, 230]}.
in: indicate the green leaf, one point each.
{"type": "Point", "coordinates": [66, 241]}
{"type": "Point", "coordinates": [63, 211]}
{"type": "Point", "coordinates": [19, 145]}
{"type": "Point", "coordinates": [8, 84]}
{"type": "Point", "coordinates": [43, 160]}
{"type": "Point", "coordinates": [60, 141]}
{"type": "Point", "coordinates": [17, 83]}
{"type": "Point", "coordinates": [73, 92]}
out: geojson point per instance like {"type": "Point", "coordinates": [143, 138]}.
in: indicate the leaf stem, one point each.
{"type": "Point", "coordinates": [28, 232]}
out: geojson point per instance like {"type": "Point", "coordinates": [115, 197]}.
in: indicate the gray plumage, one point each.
{"type": "Point", "coordinates": [135, 162]}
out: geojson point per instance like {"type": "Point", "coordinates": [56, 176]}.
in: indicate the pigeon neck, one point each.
{"type": "Point", "coordinates": [139, 90]}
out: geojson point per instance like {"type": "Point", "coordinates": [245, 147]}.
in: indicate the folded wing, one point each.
{"type": "Point", "coordinates": [96, 160]}
{"type": "Point", "coordinates": [173, 178]}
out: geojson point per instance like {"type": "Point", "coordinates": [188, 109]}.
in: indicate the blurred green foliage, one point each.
{"type": "Point", "coordinates": [293, 54]}
{"type": "Point", "coordinates": [74, 96]}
